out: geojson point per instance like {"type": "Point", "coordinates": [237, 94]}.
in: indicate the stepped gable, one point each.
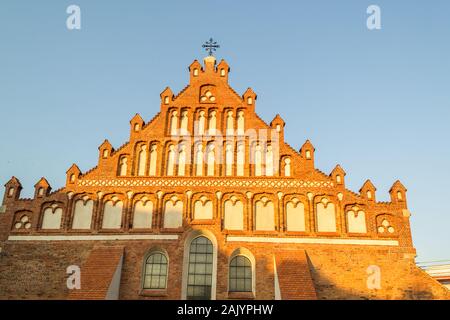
{"type": "Point", "coordinates": [206, 176]}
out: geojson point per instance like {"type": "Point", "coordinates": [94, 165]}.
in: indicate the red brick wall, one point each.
{"type": "Point", "coordinates": [37, 270]}
{"type": "Point", "coordinates": [32, 270]}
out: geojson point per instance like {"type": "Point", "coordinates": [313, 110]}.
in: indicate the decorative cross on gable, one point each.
{"type": "Point", "coordinates": [211, 46]}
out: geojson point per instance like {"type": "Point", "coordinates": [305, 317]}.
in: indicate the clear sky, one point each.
{"type": "Point", "coordinates": [376, 102]}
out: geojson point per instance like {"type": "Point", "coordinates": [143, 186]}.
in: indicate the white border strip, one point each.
{"type": "Point", "coordinates": [95, 237]}
{"type": "Point", "coordinates": [314, 240]}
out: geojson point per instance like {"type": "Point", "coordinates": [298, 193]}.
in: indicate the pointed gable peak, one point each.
{"type": "Point", "coordinates": [338, 170]}
{"type": "Point", "coordinates": [137, 123]}
{"type": "Point", "coordinates": [195, 64]}
{"type": "Point", "coordinates": [307, 145]}
{"type": "Point", "coordinates": [209, 72]}
{"type": "Point", "coordinates": [338, 175]}
{"type": "Point", "coordinates": [42, 183]}
{"type": "Point", "coordinates": [13, 181]}
{"type": "Point", "coordinates": [105, 145]}
{"type": "Point", "coordinates": [167, 92]}
{"type": "Point", "coordinates": [277, 120]}
{"type": "Point", "coordinates": [137, 119]}
{"type": "Point", "coordinates": [73, 168]}
{"type": "Point", "coordinates": [397, 186]}
{"type": "Point", "coordinates": [223, 64]}
{"type": "Point", "coordinates": [223, 69]}
{"type": "Point", "coordinates": [195, 69]}
{"type": "Point", "coordinates": [166, 96]}
{"type": "Point", "coordinates": [249, 92]}
{"type": "Point", "coordinates": [249, 97]}
{"type": "Point", "coordinates": [368, 185]}
{"type": "Point", "coordinates": [72, 174]}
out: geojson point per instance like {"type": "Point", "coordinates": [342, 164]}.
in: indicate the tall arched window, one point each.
{"type": "Point", "coordinates": [287, 167]}
{"type": "Point", "coordinates": [142, 160]}
{"type": "Point", "coordinates": [199, 160]}
{"type": "Point", "coordinates": [210, 160]}
{"type": "Point", "coordinates": [212, 123]}
{"type": "Point", "coordinates": [182, 160]}
{"type": "Point", "coordinates": [240, 274]}
{"type": "Point", "coordinates": [200, 269]}
{"type": "Point", "coordinates": [229, 154]}
{"type": "Point", "coordinates": [171, 161]}
{"type": "Point", "coordinates": [153, 159]}
{"type": "Point", "coordinates": [240, 159]}
{"type": "Point", "coordinates": [184, 123]}
{"type": "Point", "coordinates": [258, 161]}
{"type": "Point", "coordinates": [240, 123]}
{"type": "Point", "coordinates": [269, 161]}
{"type": "Point", "coordinates": [123, 166]}
{"type": "Point", "coordinates": [155, 271]}
{"type": "Point", "coordinates": [174, 123]}
{"type": "Point", "coordinates": [230, 123]}
{"type": "Point", "coordinates": [201, 123]}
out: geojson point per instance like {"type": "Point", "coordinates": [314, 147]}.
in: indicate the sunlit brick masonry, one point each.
{"type": "Point", "coordinates": [207, 201]}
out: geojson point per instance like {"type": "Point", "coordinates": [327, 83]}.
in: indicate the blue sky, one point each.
{"type": "Point", "coordinates": [376, 102]}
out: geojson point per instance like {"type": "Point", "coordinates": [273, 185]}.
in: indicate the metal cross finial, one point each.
{"type": "Point", "coordinates": [211, 46]}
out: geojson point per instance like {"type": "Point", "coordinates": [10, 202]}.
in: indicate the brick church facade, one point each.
{"type": "Point", "coordinates": [207, 201]}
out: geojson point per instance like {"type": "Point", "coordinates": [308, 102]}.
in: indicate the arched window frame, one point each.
{"type": "Point", "coordinates": [297, 200]}
{"type": "Point", "coordinates": [116, 200]}
{"type": "Point", "coordinates": [258, 169]}
{"type": "Point", "coordinates": [265, 199]}
{"type": "Point", "coordinates": [143, 199]}
{"type": "Point", "coordinates": [187, 244]}
{"type": "Point", "coordinates": [211, 168]}
{"type": "Point", "coordinates": [185, 130]}
{"type": "Point", "coordinates": [233, 198]}
{"type": "Point", "coordinates": [170, 146]}
{"type": "Point", "coordinates": [137, 159]}
{"type": "Point", "coordinates": [213, 126]}
{"type": "Point", "coordinates": [240, 158]}
{"type": "Point", "coordinates": [240, 131]}
{"type": "Point", "coordinates": [326, 200]}
{"type": "Point", "coordinates": [151, 252]}
{"type": "Point", "coordinates": [182, 164]}
{"type": "Point", "coordinates": [156, 149]}
{"type": "Point", "coordinates": [229, 154]}
{"type": "Point", "coordinates": [123, 159]}
{"type": "Point", "coordinates": [201, 122]}
{"type": "Point", "coordinates": [203, 198]}
{"type": "Point", "coordinates": [174, 199]}
{"type": "Point", "coordinates": [86, 199]}
{"type": "Point", "coordinates": [229, 113]}
{"type": "Point", "coordinates": [53, 206]}
{"type": "Point", "coordinates": [286, 161]}
{"type": "Point", "coordinates": [247, 254]}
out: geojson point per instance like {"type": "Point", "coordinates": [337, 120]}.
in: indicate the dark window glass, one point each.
{"type": "Point", "coordinates": [200, 269]}
{"type": "Point", "coordinates": [155, 276]}
{"type": "Point", "coordinates": [240, 274]}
